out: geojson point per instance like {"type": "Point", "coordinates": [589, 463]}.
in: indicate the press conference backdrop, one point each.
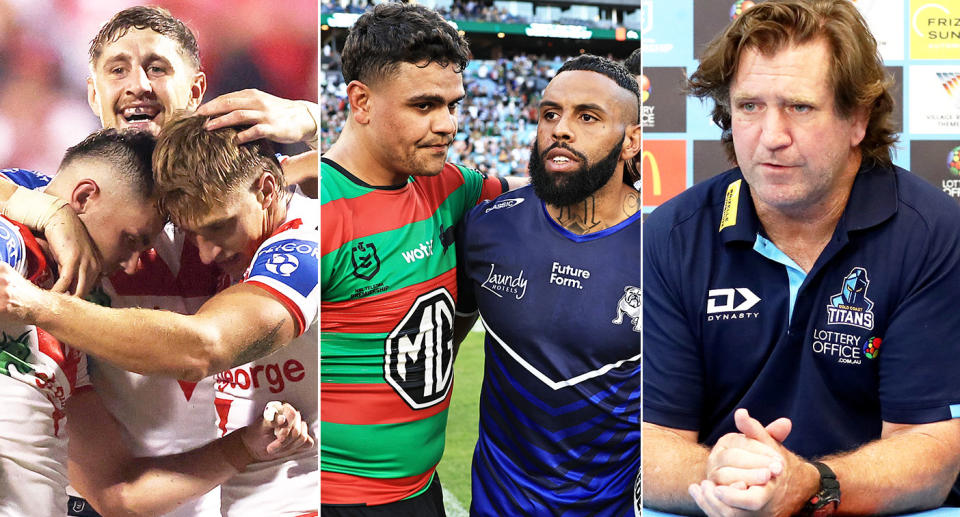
{"type": "Point", "coordinates": [919, 41]}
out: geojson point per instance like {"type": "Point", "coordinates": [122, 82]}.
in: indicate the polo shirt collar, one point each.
{"type": "Point", "coordinates": [873, 200]}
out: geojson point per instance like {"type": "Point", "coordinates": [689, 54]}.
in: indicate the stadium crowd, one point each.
{"type": "Point", "coordinates": [469, 10]}
{"type": "Point", "coordinates": [498, 117]}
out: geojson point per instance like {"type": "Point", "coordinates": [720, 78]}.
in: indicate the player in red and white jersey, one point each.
{"type": "Point", "coordinates": [145, 65]}
{"type": "Point", "coordinates": [37, 376]}
{"type": "Point", "coordinates": [288, 374]}
{"type": "Point", "coordinates": [107, 179]}
{"type": "Point", "coordinates": [232, 201]}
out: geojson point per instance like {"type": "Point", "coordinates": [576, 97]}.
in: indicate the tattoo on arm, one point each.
{"type": "Point", "coordinates": [262, 346]}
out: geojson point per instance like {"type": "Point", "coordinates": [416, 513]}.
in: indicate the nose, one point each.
{"type": "Point", "coordinates": [775, 130]}
{"type": "Point", "coordinates": [444, 123]}
{"type": "Point", "coordinates": [129, 265]}
{"type": "Point", "coordinates": [208, 250]}
{"type": "Point", "coordinates": [561, 129]}
{"type": "Point", "coordinates": [138, 82]}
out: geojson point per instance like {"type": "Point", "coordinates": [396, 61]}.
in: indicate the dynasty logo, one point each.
{"type": "Point", "coordinates": [851, 306]}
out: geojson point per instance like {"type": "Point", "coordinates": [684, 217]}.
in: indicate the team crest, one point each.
{"type": "Point", "coordinates": [629, 306]}
{"type": "Point", "coordinates": [851, 306]}
{"type": "Point", "coordinates": [365, 261]}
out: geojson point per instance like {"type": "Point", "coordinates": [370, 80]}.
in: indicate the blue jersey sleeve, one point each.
{"type": "Point", "coordinates": [287, 265]}
{"type": "Point", "coordinates": [673, 372]}
{"type": "Point", "coordinates": [30, 179]}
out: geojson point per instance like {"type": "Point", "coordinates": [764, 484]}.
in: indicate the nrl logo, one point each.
{"type": "Point", "coordinates": [365, 261]}
{"type": "Point", "coordinates": [851, 306]}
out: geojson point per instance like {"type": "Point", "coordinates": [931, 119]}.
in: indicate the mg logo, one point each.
{"type": "Point", "coordinates": [418, 356]}
{"type": "Point", "coordinates": [724, 300]}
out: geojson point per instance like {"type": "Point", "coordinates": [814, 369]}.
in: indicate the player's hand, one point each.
{"type": "Point", "coordinates": [783, 493]}
{"type": "Point", "coordinates": [18, 296]}
{"type": "Point", "coordinates": [78, 260]}
{"type": "Point", "coordinates": [281, 432]}
{"type": "Point", "coordinates": [281, 120]}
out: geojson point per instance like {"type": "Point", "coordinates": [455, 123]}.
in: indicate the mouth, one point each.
{"type": "Point", "coordinates": [559, 159]}
{"type": "Point", "coordinates": [140, 114]}
{"type": "Point", "coordinates": [436, 147]}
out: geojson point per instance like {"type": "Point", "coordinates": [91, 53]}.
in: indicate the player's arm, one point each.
{"type": "Point", "coordinates": [104, 471]}
{"type": "Point", "coordinates": [302, 170]}
{"type": "Point", "coordinates": [672, 460]}
{"type": "Point", "coordinates": [238, 325]}
{"type": "Point", "coordinates": [911, 467]}
{"type": "Point", "coordinates": [515, 182]}
{"type": "Point", "coordinates": [77, 258]}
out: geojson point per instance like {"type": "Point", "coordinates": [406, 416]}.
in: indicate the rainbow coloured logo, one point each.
{"type": "Point", "coordinates": [953, 161]}
{"type": "Point", "coordinates": [644, 88]}
{"type": "Point", "coordinates": [872, 347]}
{"type": "Point", "coordinates": [739, 7]}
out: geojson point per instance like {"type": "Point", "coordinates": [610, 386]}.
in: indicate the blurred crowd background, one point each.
{"type": "Point", "coordinates": [498, 118]}
{"type": "Point", "coordinates": [43, 63]}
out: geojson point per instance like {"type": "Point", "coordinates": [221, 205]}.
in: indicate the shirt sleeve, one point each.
{"type": "Point", "coordinates": [673, 369]}
{"type": "Point", "coordinates": [287, 266]}
{"type": "Point", "coordinates": [918, 357]}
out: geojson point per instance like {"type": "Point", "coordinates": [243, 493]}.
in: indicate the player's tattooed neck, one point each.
{"type": "Point", "coordinates": [581, 218]}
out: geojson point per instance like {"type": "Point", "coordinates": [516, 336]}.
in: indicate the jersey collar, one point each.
{"type": "Point", "coordinates": [873, 200]}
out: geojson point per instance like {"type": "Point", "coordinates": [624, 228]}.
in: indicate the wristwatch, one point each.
{"type": "Point", "coordinates": [826, 500]}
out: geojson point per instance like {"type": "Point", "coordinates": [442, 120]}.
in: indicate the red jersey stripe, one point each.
{"type": "Point", "coordinates": [358, 316]}
{"type": "Point", "coordinates": [381, 405]}
{"type": "Point", "coordinates": [337, 488]}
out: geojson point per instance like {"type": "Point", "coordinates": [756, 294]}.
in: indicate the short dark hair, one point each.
{"type": "Point", "coordinates": [856, 73]}
{"type": "Point", "coordinates": [601, 65]}
{"type": "Point", "coordinates": [128, 151]}
{"type": "Point", "coordinates": [394, 33]}
{"type": "Point", "coordinates": [633, 62]}
{"type": "Point", "coordinates": [158, 20]}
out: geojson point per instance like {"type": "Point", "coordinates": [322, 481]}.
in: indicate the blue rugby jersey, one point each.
{"type": "Point", "coordinates": [560, 403]}
{"type": "Point", "coordinates": [868, 335]}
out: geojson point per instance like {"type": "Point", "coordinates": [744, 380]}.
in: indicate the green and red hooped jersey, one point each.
{"type": "Point", "coordinates": [387, 270]}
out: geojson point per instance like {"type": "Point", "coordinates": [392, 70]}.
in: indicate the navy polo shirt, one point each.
{"type": "Point", "coordinates": [870, 334]}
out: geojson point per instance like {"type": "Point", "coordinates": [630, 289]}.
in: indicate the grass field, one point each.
{"type": "Point", "coordinates": [462, 421]}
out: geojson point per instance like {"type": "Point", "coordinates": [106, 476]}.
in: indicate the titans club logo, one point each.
{"type": "Point", "coordinates": [851, 306]}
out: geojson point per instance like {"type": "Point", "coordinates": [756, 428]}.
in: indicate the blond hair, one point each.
{"type": "Point", "coordinates": [196, 170]}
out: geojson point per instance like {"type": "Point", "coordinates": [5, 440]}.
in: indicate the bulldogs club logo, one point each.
{"type": "Point", "coordinates": [365, 261]}
{"type": "Point", "coordinates": [283, 264]}
{"type": "Point", "coordinates": [851, 306]}
{"type": "Point", "coordinates": [629, 306]}
{"type": "Point", "coordinates": [739, 7]}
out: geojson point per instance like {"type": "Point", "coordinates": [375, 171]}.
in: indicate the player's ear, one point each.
{"type": "Point", "coordinates": [197, 89]}
{"type": "Point", "coordinates": [631, 142]}
{"type": "Point", "coordinates": [85, 191]}
{"type": "Point", "coordinates": [359, 96]}
{"type": "Point", "coordinates": [92, 97]}
{"type": "Point", "coordinates": [265, 188]}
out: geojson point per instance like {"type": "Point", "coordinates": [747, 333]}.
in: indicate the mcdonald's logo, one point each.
{"type": "Point", "coordinates": [664, 170]}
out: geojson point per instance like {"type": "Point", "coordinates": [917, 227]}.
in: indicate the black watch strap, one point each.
{"type": "Point", "coordinates": [826, 500]}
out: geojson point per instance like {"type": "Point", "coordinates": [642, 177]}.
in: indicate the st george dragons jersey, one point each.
{"type": "Point", "coordinates": [286, 265]}
{"type": "Point", "coordinates": [560, 401]}
{"type": "Point", "coordinates": [37, 376]}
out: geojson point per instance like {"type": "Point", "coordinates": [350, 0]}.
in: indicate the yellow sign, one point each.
{"type": "Point", "coordinates": [731, 202]}
{"type": "Point", "coordinates": [935, 29]}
